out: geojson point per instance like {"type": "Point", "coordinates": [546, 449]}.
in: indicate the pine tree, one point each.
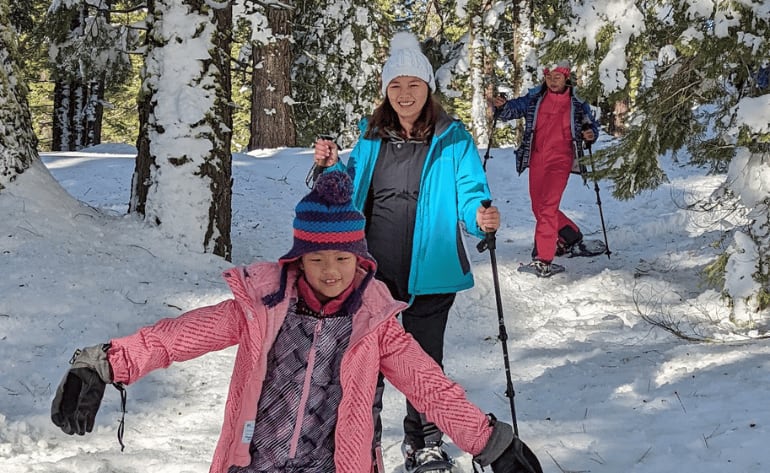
{"type": "Point", "coordinates": [487, 59]}
{"type": "Point", "coordinates": [88, 54]}
{"type": "Point", "coordinates": [337, 65]}
{"type": "Point", "coordinates": [18, 144]}
{"type": "Point", "coordinates": [477, 49]}
{"type": "Point", "coordinates": [184, 157]}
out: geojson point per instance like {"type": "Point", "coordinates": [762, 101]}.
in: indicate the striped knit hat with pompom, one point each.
{"type": "Point", "coordinates": [326, 219]}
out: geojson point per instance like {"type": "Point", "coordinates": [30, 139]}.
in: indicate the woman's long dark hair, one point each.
{"type": "Point", "coordinates": [384, 119]}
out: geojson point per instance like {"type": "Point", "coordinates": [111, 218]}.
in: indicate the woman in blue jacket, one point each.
{"type": "Point", "coordinates": [419, 181]}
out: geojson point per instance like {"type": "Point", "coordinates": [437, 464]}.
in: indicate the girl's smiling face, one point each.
{"type": "Point", "coordinates": [329, 272]}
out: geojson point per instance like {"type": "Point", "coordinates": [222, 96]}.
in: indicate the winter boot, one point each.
{"type": "Point", "coordinates": [568, 238]}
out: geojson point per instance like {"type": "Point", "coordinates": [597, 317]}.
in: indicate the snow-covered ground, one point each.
{"type": "Point", "coordinates": [599, 389]}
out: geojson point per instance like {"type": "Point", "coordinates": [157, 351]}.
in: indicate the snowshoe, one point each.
{"type": "Point", "coordinates": [587, 248]}
{"type": "Point", "coordinates": [428, 460]}
{"type": "Point", "coordinates": [541, 269]}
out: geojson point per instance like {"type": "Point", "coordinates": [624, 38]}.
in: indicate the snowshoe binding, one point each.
{"type": "Point", "coordinates": [427, 460]}
{"type": "Point", "coordinates": [587, 248]}
{"type": "Point", "coordinates": [541, 269]}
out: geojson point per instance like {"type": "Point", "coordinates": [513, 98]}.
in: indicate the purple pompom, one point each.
{"type": "Point", "coordinates": [334, 187]}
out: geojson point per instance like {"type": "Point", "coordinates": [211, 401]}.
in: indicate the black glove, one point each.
{"type": "Point", "coordinates": [506, 453]}
{"type": "Point", "coordinates": [517, 458]}
{"type": "Point", "coordinates": [80, 393]}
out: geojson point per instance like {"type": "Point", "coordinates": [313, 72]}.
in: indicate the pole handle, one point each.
{"type": "Point", "coordinates": [489, 240]}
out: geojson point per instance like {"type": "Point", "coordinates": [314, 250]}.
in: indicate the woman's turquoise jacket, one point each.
{"type": "Point", "coordinates": [452, 187]}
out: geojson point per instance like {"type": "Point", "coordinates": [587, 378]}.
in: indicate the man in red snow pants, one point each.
{"type": "Point", "coordinates": [557, 122]}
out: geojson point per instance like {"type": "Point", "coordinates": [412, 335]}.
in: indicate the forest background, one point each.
{"type": "Point", "coordinates": [192, 81]}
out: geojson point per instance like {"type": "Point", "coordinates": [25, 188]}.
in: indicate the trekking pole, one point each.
{"type": "Point", "coordinates": [489, 243]}
{"type": "Point", "coordinates": [526, 460]}
{"type": "Point", "coordinates": [491, 135]}
{"type": "Point", "coordinates": [489, 143]}
{"type": "Point", "coordinates": [598, 200]}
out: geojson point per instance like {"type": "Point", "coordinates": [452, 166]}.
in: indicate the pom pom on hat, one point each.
{"type": "Point", "coordinates": [334, 187]}
{"type": "Point", "coordinates": [404, 40]}
{"type": "Point", "coordinates": [562, 67]}
{"type": "Point", "coordinates": [406, 59]}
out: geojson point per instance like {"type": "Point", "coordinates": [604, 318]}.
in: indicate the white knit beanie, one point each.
{"type": "Point", "coordinates": [406, 59]}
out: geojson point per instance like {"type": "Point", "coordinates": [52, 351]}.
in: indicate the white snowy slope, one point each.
{"type": "Point", "coordinates": [598, 389]}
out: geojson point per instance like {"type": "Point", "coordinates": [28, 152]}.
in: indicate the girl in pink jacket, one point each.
{"type": "Point", "coordinates": [313, 330]}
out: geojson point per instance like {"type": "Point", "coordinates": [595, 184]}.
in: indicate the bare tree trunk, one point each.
{"type": "Point", "coordinates": [516, 39]}
{"type": "Point", "coordinates": [272, 119]}
{"type": "Point", "coordinates": [480, 70]}
{"type": "Point", "coordinates": [219, 167]}
{"type": "Point", "coordinates": [61, 111]}
{"type": "Point", "coordinates": [94, 111]}
{"type": "Point", "coordinates": [145, 161]}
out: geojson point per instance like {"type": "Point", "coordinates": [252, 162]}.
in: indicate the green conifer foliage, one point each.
{"type": "Point", "coordinates": [686, 68]}
{"type": "Point", "coordinates": [336, 74]}
{"type": "Point", "coordinates": [18, 144]}
{"type": "Point", "coordinates": [88, 54]}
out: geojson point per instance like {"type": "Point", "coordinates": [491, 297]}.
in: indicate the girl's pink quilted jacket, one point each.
{"type": "Point", "coordinates": [378, 343]}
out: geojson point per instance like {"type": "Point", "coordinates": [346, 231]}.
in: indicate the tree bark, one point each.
{"type": "Point", "coordinates": [176, 152]}
{"type": "Point", "coordinates": [272, 119]}
{"type": "Point", "coordinates": [219, 167]}
{"type": "Point", "coordinates": [77, 116]}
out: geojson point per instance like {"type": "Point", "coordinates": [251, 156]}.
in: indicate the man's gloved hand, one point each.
{"type": "Point", "coordinates": [505, 453]}
{"type": "Point", "coordinates": [80, 393]}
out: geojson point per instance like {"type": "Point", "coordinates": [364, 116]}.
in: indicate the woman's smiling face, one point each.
{"type": "Point", "coordinates": [407, 96]}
